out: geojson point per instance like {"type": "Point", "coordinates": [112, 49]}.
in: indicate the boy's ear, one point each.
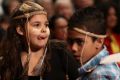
{"type": "Point", "coordinates": [19, 30]}
{"type": "Point", "coordinates": [99, 42]}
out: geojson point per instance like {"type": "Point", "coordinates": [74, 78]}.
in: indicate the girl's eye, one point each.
{"type": "Point", "coordinates": [47, 24]}
{"type": "Point", "coordinates": [36, 25]}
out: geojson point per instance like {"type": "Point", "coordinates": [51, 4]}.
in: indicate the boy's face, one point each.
{"type": "Point", "coordinates": [78, 42]}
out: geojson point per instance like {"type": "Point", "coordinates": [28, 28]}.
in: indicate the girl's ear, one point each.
{"type": "Point", "coordinates": [20, 30]}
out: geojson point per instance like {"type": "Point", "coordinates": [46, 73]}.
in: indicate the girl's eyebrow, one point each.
{"type": "Point", "coordinates": [39, 21]}
{"type": "Point", "coordinates": [35, 22]}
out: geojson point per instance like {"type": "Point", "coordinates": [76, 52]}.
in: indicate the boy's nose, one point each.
{"type": "Point", "coordinates": [74, 47]}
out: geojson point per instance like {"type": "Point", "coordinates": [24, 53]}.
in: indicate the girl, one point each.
{"type": "Point", "coordinates": [26, 52]}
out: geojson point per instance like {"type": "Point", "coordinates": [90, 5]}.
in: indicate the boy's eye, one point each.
{"type": "Point", "coordinates": [79, 42]}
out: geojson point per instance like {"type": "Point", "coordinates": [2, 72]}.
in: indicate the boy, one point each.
{"type": "Point", "coordinates": [86, 35]}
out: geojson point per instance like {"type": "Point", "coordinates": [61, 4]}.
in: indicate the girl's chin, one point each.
{"type": "Point", "coordinates": [42, 45]}
{"type": "Point", "coordinates": [37, 47]}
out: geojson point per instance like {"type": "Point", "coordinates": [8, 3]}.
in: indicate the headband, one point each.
{"type": "Point", "coordinates": [89, 33]}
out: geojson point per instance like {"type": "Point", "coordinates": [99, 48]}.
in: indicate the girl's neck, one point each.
{"type": "Point", "coordinates": [33, 54]}
{"type": "Point", "coordinates": [37, 53]}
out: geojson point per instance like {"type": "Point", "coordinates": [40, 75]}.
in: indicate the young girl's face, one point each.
{"type": "Point", "coordinates": [111, 18]}
{"type": "Point", "coordinates": [60, 30]}
{"type": "Point", "coordinates": [38, 31]}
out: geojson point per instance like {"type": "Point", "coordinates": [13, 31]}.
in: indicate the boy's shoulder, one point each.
{"type": "Point", "coordinates": [106, 72]}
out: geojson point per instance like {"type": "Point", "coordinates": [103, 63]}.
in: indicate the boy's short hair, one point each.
{"type": "Point", "coordinates": [89, 19]}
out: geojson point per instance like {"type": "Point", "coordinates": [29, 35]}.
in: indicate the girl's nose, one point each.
{"type": "Point", "coordinates": [43, 30]}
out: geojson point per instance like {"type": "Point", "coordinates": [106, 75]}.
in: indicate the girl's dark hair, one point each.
{"type": "Point", "coordinates": [10, 49]}
{"type": "Point", "coordinates": [105, 8]}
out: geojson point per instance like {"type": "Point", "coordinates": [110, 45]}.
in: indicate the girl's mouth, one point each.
{"type": "Point", "coordinates": [41, 37]}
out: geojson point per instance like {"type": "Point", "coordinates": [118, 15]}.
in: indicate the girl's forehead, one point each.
{"type": "Point", "coordinates": [39, 17]}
